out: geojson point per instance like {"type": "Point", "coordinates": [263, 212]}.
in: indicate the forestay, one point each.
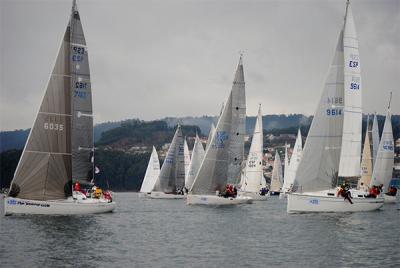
{"type": "Point", "coordinates": [197, 158]}
{"type": "Point", "coordinates": [253, 178]}
{"type": "Point", "coordinates": [223, 157]}
{"type": "Point", "coordinates": [59, 148]}
{"type": "Point", "coordinates": [172, 174]}
{"type": "Point", "coordinates": [152, 173]}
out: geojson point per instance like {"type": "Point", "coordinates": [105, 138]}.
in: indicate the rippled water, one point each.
{"type": "Point", "coordinates": [168, 233]}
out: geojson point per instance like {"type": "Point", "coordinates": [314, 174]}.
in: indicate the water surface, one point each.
{"type": "Point", "coordinates": [168, 233]}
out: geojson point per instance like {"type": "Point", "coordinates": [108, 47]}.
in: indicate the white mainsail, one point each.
{"type": "Point", "coordinates": [294, 164]}
{"type": "Point", "coordinates": [152, 173]}
{"type": "Point", "coordinates": [383, 168]}
{"type": "Point", "coordinates": [253, 179]}
{"type": "Point", "coordinates": [333, 145]}
{"type": "Point", "coordinates": [223, 157]}
{"type": "Point", "coordinates": [349, 165]}
{"type": "Point", "coordinates": [375, 139]}
{"type": "Point", "coordinates": [197, 157]}
{"type": "Point", "coordinates": [276, 177]}
{"type": "Point", "coordinates": [186, 155]}
{"type": "Point", "coordinates": [366, 162]}
{"type": "Point", "coordinates": [172, 174]}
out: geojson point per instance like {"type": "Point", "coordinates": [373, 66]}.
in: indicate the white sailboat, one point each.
{"type": "Point", "coordinates": [293, 165]}
{"type": "Point", "coordinates": [152, 173]}
{"type": "Point", "coordinates": [223, 157]}
{"type": "Point", "coordinates": [366, 162]}
{"type": "Point", "coordinates": [383, 169]}
{"type": "Point", "coordinates": [276, 177]}
{"type": "Point", "coordinates": [375, 139]}
{"type": "Point", "coordinates": [197, 157]}
{"type": "Point", "coordinates": [170, 182]}
{"type": "Point", "coordinates": [186, 155]}
{"type": "Point", "coordinates": [59, 150]}
{"type": "Point", "coordinates": [212, 130]}
{"type": "Point", "coordinates": [253, 180]}
{"type": "Point", "coordinates": [333, 145]}
{"type": "Point", "coordinates": [286, 160]}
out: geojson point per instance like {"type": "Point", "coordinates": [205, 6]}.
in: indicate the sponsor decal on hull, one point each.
{"type": "Point", "coordinates": [13, 202]}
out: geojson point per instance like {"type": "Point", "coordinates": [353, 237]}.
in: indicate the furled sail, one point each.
{"type": "Point", "coordinates": [375, 139]}
{"type": "Point", "coordinates": [223, 157]}
{"type": "Point", "coordinates": [366, 161]}
{"type": "Point", "coordinates": [197, 158]}
{"type": "Point", "coordinates": [383, 168]}
{"type": "Point", "coordinates": [349, 165]}
{"type": "Point", "coordinates": [152, 173]}
{"type": "Point", "coordinates": [59, 148]}
{"type": "Point", "coordinates": [172, 174]}
{"type": "Point", "coordinates": [186, 155]}
{"type": "Point", "coordinates": [253, 178]}
{"type": "Point", "coordinates": [294, 164]}
{"type": "Point", "coordinates": [318, 168]}
{"type": "Point", "coordinates": [276, 177]}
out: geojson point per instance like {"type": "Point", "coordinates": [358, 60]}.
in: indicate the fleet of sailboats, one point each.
{"type": "Point", "coordinates": [59, 152]}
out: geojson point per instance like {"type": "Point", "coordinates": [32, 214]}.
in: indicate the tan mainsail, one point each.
{"type": "Point", "coordinates": [366, 164]}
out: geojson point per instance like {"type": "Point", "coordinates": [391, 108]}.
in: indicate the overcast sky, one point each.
{"type": "Point", "coordinates": [151, 59]}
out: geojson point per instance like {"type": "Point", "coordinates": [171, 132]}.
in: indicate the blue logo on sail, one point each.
{"type": "Point", "coordinates": [220, 138]}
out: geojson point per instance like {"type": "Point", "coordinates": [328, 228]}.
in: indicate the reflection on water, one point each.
{"type": "Point", "coordinates": [168, 233]}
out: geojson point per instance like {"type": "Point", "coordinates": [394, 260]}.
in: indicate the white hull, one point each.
{"type": "Point", "coordinates": [390, 199]}
{"type": "Point", "coordinates": [282, 195]}
{"type": "Point", "coordinates": [144, 195]}
{"type": "Point", "coordinates": [321, 202]}
{"type": "Point", "coordinates": [162, 195]}
{"type": "Point", "coordinates": [216, 200]}
{"type": "Point", "coordinates": [254, 196]}
{"type": "Point", "coordinates": [57, 207]}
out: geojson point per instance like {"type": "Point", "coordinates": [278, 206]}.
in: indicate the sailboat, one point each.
{"type": "Point", "coordinates": [212, 130]}
{"type": "Point", "coordinates": [152, 173]}
{"type": "Point", "coordinates": [375, 139]}
{"type": "Point", "coordinates": [383, 168]}
{"type": "Point", "coordinates": [59, 150]}
{"type": "Point", "coordinates": [366, 162]}
{"type": "Point", "coordinates": [170, 182]}
{"type": "Point", "coordinates": [253, 180]}
{"type": "Point", "coordinates": [276, 177]}
{"type": "Point", "coordinates": [286, 160]}
{"type": "Point", "coordinates": [197, 158]}
{"type": "Point", "coordinates": [293, 165]}
{"type": "Point", "coordinates": [186, 156]}
{"type": "Point", "coordinates": [333, 145]}
{"type": "Point", "coordinates": [224, 155]}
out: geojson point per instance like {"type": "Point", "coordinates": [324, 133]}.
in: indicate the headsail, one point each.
{"type": "Point", "coordinates": [186, 155]}
{"type": "Point", "coordinates": [349, 165]}
{"type": "Point", "coordinates": [375, 139]}
{"type": "Point", "coordinates": [294, 164]}
{"type": "Point", "coordinates": [197, 158]}
{"type": "Point", "coordinates": [383, 168]}
{"type": "Point", "coordinates": [223, 157]}
{"type": "Point", "coordinates": [366, 161]}
{"type": "Point", "coordinates": [172, 174]}
{"type": "Point", "coordinates": [60, 144]}
{"type": "Point", "coordinates": [253, 178]}
{"type": "Point", "coordinates": [152, 173]}
{"type": "Point", "coordinates": [318, 168]}
{"type": "Point", "coordinates": [212, 130]}
{"type": "Point", "coordinates": [276, 178]}
{"type": "Point", "coordinates": [286, 161]}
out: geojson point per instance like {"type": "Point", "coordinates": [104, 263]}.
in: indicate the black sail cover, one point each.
{"type": "Point", "coordinates": [60, 145]}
